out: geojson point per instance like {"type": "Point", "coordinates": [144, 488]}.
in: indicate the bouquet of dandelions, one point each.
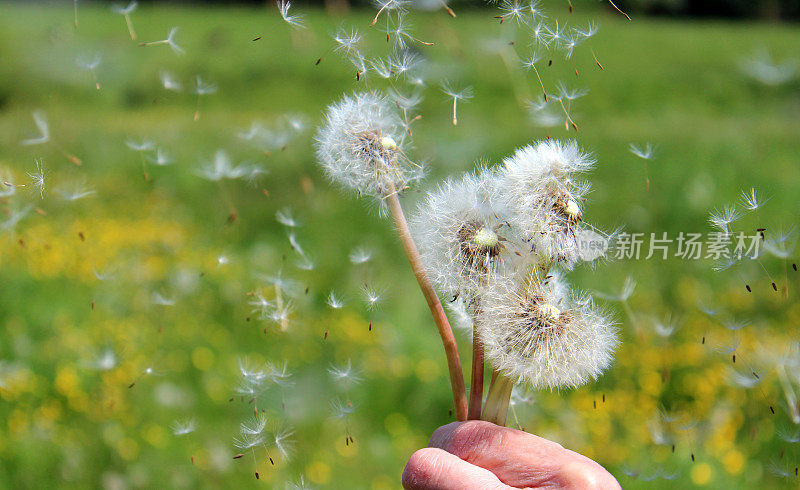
{"type": "Point", "coordinates": [497, 242]}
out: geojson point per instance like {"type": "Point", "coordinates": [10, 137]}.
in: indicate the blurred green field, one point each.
{"type": "Point", "coordinates": [67, 424]}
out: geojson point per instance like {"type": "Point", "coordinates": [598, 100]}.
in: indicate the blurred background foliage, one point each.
{"type": "Point", "coordinates": [129, 309]}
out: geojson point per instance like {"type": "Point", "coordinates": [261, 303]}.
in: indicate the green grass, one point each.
{"type": "Point", "coordinates": [674, 84]}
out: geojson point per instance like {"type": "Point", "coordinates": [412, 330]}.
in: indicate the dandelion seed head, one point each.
{"type": "Point", "coordinates": [360, 146]}
{"type": "Point", "coordinates": [462, 240]}
{"type": "Point", "coordinates": [538, 186]}
{"type": "Point", "coordinates": [543, 336]}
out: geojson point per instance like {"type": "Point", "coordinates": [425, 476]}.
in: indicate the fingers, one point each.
{"type": "Point", "coordinates": [436, 469]}
{"type": "Point", "coordinates": [520, 459]}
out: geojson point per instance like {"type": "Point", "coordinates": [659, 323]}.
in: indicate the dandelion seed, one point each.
{"type": "Point", "coordinates": [284, 217]}
{"type": "Point", "coordinates": [169, 82]}
{"type": "Point", "coordinates": [587, 32]}
{"type": "Point", "coordinates": [282, 440]}
{"type": "Point", "coordinates": [42, 126]}
{"type": "Point", "coordinates": [223, 168]}
{"type": "Point", "coordinates": [254, 426]}
{"type": "Point", "coordinates": [565, 96]}
{"type": "Point", "coordinates": [512, 10]}
{"type": "Point", "coordinates": [372, 296]}
{"type": "Point", "coordinates": [389, 6]}
{"type": "Point", "coordinates": [742, 380]}
{"type": "Point", "coordinates": [126, 12]}
{"type": "Point", "coordinates": [723, 218]}
{"type": "Point", "coordinates": [360, 255]}
{"type": "Point", "coordinates": [170, 40]}
{"type": "Point", "coordinates": [77, 191]}
{"type": "Point", "coordinates": [38, 178]}
{"type": "Point", "coordinates": [668, 326]}
{"type": "Point", "coordinates": [201, 88]}
{"type": "Point", "coordinates": [261, 305]}
{"type": "Point", "coordinates": [347, 42]}
{"type": "Point", "coordinates": [569, 43]}
{"type": "Point", "coordinates": [790, 435]}
{"type": "Point", "coordinates": [751, 201]}
{"type": "Point", "coordinates": [145, 145]}
{"type": "Point", "coordinates": [345, 375]}
{"type": "Point", "coordinates": [734, 324]}
{"type": "Point", "coordinates": [645, 152]}
{"type": "Point", "coordinates": [161, 158]}
{"type": "Point", "coordinates": [540, 34]}
{"type": "Point", "coordinates": [457, 95]}
{"type": "Point", "coordinates": [627, 290]}
{"type": "Point", "coordinates": [761, 68]}
{"type": "Point", "coordinates": [402, 33]}
{"type": "Point", "coordinates": [334, 302]}
{"type": "Point", "coordinates": [159, 299]}
{"type": "Point", "coordinates": [342, 411]}
{"type": "Point", "coordinates": [293, 20]}
{"type": "Point", "coordinates": [91, 64]}
{"type": "Point", "coordinates": [106, 361]}
{"type": "Point", "coordinates": [184, 427]}
{"type": "Point", "coordinates": [248, 441]}
{"type": "Point", "coordinates": [298, 485]}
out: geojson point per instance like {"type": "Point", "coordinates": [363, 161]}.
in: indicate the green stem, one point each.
{"type": "Point", "coordinates": [496, 408]}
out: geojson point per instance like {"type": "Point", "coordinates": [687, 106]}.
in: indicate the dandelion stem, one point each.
{"type": "Point", "coordinates": [497, 400]}
{"type": "Point", "coordinates": [476, 386]}
{"type": "Point", "coordinates": [445, 332]}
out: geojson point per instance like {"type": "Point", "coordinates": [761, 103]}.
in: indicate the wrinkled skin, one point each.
{"type": "Point", "coordinates": [484, 456]}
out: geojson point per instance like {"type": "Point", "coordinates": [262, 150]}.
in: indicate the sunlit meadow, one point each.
{"type": "Point", "coordinates": [186, 300]}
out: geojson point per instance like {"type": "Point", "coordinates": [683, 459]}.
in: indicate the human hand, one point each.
{"type": "Point", "coordinates": [482, 455]}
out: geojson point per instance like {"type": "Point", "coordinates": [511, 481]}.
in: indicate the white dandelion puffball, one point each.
{"type": "Point", "coordinates": [360, 146]}
{"type": "Point", "coordinates": [537, 186]}
{"type": "Point", "coordinates": [541, 335]}
{"type": "Point", "coordinates": [462, 239]}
